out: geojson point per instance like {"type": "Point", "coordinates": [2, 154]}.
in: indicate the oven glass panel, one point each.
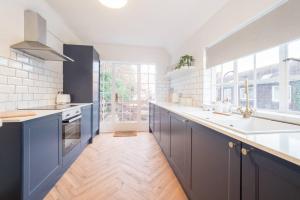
{"type": "Point", "coordinates": [71, 135]}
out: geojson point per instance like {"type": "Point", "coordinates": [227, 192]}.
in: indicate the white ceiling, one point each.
{"type": "Point", "coordinates": [159, 23]}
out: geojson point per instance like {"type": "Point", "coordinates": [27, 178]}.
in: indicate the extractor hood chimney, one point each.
{"type": "Point", "coordinates": [35, 35]}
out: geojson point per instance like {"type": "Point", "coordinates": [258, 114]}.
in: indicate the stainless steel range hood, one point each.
{"type": "Point", "coordinates": [35, 35]}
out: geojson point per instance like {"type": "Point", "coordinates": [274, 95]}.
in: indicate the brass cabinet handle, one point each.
{"type": "Point", "coordinates": [245, 151]}
{"type": "Point", "coordinates": [231, 145]}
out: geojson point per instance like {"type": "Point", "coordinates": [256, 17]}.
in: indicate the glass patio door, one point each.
{"type": "Point", "coordinates": [125, 92]}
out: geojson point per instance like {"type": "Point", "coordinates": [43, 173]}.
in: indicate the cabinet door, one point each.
{"type": "Point", "coordinates": [165, 139]}
{"type": "Point", "coordinates": [151, 118]}
{"type": "Point", "coordinates": [180, 155]}
{"type": "Point", "coordinates": [86, 124]}
{"type": "Point", "coordinates": [215, 166]}
{"type": "Point", "coordinates": [267, 177]}
{"type": "Point", "coordinates": [156, 132]}
{"type": "Point", "coordinates": [42, 143]}
{"type": "Point", "coordinates": [96, 118]}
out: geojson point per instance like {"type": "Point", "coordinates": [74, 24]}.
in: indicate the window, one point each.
{"type": "Point", "coordinates": [245, 68]}
{"type": "Point", "coordinates": [275, 93]}
{"type": "Point", "coordinates": [267, 58]}
{"type": "Point", "coordinates": [228, 73]}
{"type": "Point", "coordinates": [274, 84]}
{"type": "Point", "coordinates": [147, 90]}
{"type": "Point", "coordinates": [294, 76]}
{"type": "Point", "coordinates": [294, 49]}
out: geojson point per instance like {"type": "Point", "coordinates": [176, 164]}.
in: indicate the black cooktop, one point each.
{"type": "Point", "coordinates": [51, 107]}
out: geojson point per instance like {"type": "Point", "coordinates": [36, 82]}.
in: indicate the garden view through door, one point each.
{"type": "Point", "coordinates": [125, 92]}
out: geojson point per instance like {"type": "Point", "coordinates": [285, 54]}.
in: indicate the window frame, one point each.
{"type": "Point", "coordinates": [283, 79]}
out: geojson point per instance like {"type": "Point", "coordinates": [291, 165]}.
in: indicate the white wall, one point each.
{"type": "Point", "coordinates": [231, 17]}
{"type": "Point", "coordinates": [138, 54]}
{"type": "Point", "coordinates": [25, 81]}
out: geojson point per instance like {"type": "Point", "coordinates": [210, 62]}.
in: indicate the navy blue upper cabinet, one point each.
{"type": "Point", "coordinates": [82, 78]}
{"type": "Point", "coordinates": [86, 124]}
{"type": "Point", "coordinates": [165, 136]}
{"type": "Point", "coordinates": [266, 177]}
{"type": "Point", "coordinates": [180, 154]}
{"type": "Point", "coordinates": [215, 168]}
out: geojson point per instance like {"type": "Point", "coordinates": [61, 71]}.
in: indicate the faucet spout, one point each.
{"type": "Point", "coordinates": [248, 112]}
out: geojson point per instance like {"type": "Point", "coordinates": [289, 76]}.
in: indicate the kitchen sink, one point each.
{"type": "Point", "coordinates": [247, 126]}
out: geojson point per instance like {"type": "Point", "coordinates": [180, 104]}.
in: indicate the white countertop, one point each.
{"type": "Point", "coordinates": [39, 113]}
{"type": "Point", "coordinates": [282, 145]}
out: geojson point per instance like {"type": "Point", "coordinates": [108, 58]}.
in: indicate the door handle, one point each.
{"type": "Point", "coordinates": [231, 145]}
{"type": "Point", "coordinates": [245, 152]}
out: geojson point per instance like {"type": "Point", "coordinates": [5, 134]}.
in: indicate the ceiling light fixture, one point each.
{"type": "Point", "coordinates": [114, 3]}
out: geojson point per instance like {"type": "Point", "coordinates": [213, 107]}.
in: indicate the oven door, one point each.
{"type": "Point", "coordinates": [71, 133]}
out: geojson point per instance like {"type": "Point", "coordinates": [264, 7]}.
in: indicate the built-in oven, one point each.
{"type": "Point", "coordinates": [71, 129]}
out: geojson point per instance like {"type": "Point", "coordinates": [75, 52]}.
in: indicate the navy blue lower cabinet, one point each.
{"type": "Point", "coordinates": [165, 137]}
{"type": "Point", "coordinates": [96, 118]}
{"type": "Point", "coordinates": [11, 161]}
{"type": "Point", "coordinates": [30, 157]}
{"type": "Point", "coordinates": [156, 131]}
{"type": "Point", "coordinates": [42, 155]}
{"type": "Point", "coordinates": [215, 165]}
{"type": "Point", "coordinates": [86, 125]}
{"type": "Point", "coordinates": [180, 153]}
{"type": "Point", "coordinates": [266, 177]}
{"type": "Point", "coordinates": [151, 117]}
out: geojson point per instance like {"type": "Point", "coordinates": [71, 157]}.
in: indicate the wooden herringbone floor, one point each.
{"type": "Point", "coordinates": [130, 168]}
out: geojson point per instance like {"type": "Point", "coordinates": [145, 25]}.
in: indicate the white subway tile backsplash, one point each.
{"type": "Point", "coordinates": [42, 78]}
{"type": "Point", "coordinates": [189, 86]}
{"type": "Point", "coordinates": [33, 76]}
{"type": "Point", "coordinates": [33, 89]}
{"type": "Point", "coordinates": [15, 64]}
{"type": "Point", "coordinates": [3, 79]}
{"type": "Point", "coordinates": [26, 82]}
{"type": "Point", "coordinates": [7, 89]}
{"type": "Point", "coordinates": [27, 97]}
{"type": "Point", "coordinates": [10, 106]}
{"type": "Point", "coordinates": [27, 68]}
{"type": "Point", "coordinates": [21, 89]}
{"type": "Point", "coordinates": [14, 97]}
{"type": "Point", "coordinates": [21, 74]}
{"type": "Point", "coordinates": [6, 71]}
{"type": "Point", "coordinates": [3, 61]}
{"type": "Point", "coordinates": [3, 98]}
{"type": "Point", "coordinates": [39, 70]}
{"type": "Point", "coordinates": [14, 81]}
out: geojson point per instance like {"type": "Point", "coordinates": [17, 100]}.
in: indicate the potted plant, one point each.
{"type": "Point", "coordinates": [185, 60]}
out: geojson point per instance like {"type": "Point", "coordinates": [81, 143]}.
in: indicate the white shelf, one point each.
{"type": "Point", "coordinates": [183, 71]}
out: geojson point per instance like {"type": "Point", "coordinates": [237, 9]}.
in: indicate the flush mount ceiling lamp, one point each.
{"type": "Point", "coordinates": [114, 3]}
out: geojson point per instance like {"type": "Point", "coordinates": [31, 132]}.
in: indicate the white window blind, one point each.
{"type": "Point", "coordinates": [278, 26]}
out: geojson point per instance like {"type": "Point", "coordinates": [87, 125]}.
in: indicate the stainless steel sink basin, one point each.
{"type": "Point", "coordinates": [247, 126]}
